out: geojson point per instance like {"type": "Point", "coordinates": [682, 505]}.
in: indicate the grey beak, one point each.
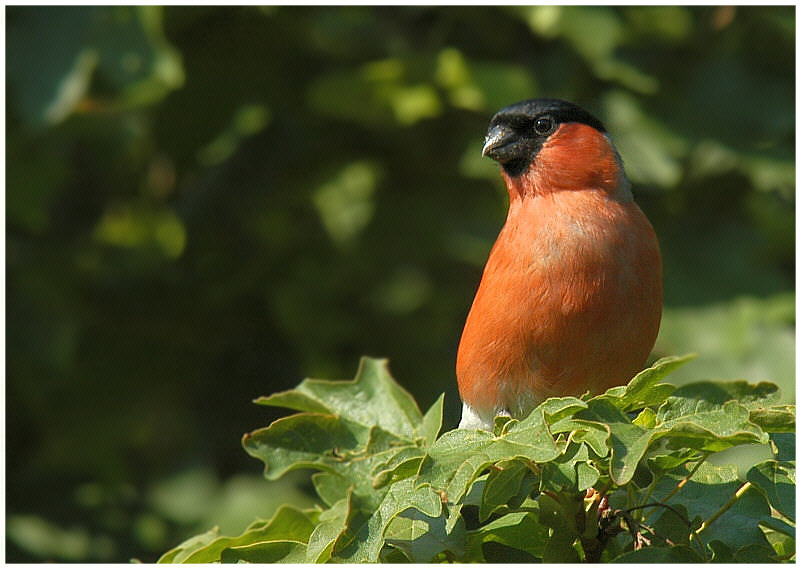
{"type": "Point", "coordinates": [496, 137]}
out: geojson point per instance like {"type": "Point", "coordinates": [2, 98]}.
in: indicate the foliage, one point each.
{"type": "Point", "coordinates": [203, 202]}
{"type": "Point", "coordinates": [619, 477]}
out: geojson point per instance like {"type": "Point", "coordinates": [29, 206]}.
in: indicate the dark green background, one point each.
{"type": "Point", "coordinates": [205, 205]}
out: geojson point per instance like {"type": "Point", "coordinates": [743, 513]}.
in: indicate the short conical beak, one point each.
{"type": "Point", "coordinates": [502, 144]}
{"type": "Point", "coordinates": [495, 138]}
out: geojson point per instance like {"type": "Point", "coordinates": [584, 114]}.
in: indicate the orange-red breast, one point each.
{"type": "Point", "coordinates": [570, 298]}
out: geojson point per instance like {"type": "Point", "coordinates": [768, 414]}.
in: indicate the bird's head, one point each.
{"type": "Point", "coordinates": [546, 145]}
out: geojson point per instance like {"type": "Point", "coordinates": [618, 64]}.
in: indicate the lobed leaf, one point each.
{"type": "Point", "coordinates": [569, 472]}
{"type": "Point", "coordinates": [643, 389]}
{"type": "Point", "coordinates": [628, 442]}
{"type": "Point", "coordinates": [455, 460]}
{"type": "Point", "coordinates": [306, 440]}
{"type": "Point", "coordinates": [709, 415]}
{"type": "Point", "coordinates": [373, 398]}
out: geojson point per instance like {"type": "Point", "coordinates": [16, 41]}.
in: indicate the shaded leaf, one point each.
{"type": "Point", "coordinates": [422, 537]}
{"type": "Point", "coordinates": [784, 446]}
{"type": "Point", "coordinates": [518, 530]}
{"type": "Point", "coordinates": [777, 481]}
{"type": "Point", "coordinates": [657, 555]}
{"type": "Point", "coordinates": [503, 483]}
{"type": "Point", "coordinates": [781, 537]}
{"type": "Point", "coordinates": [709, 490]}
{"type": "Point", "coordinates": [708, 415]}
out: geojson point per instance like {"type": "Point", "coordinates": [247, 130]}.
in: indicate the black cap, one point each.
{"type": "Point", "coordinates": [517, 132]}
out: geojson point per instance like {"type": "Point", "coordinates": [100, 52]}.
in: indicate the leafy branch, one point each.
{"type": "Point", "coordinates": [391, 489]}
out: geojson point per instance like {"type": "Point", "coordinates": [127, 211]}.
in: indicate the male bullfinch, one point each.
{"type": "Point", "coordinates": [570, 298]}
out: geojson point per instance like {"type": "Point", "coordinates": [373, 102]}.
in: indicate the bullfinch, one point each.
{"type": "Point", "coordinates": [571, 295]}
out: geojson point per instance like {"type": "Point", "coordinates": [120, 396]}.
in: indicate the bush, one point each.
{"type": "Point", "coordinates": [624, 476]}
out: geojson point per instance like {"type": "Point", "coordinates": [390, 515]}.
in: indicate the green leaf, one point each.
{"type": "Point", "coordinates": [181, 552]}
{"type": "Point", "coordinates": [331, 524]}
{"type": "Point", "coordinates": [784, 446]}
{"type": "Point", "coordinates": [680, 554]}
{"type": "Point", "coordinates": [777, 481]}
{"type": "Point", "coordinates": [775, 419]}
{"type": "Point", "coordinates": [590, 432]}
{"type": "Point", "coordinates": [305, 441]}
{"type": "Point", "coordinates": [276, 551]}
{"type": "Point", "coordinates": [709, 491]}
{"type": "Point", "coordinates": [330, 487]}
{"type": "Point", "coordinates": [373, 398]}
{"type": "Point", "coordinates": [288, 523]}
{"type": "Point", "coordinates": [422, 537]}
{"type": "Point", "coordinates": [780, 535]}
{"type": "Point", "coordinates": [628, 442]}
{"type": "Point", "coordinates": [672, 524]}
{"type": "Point", "coordinates": [708, 415]}
{"type": "Point", "coordinates": [569, 472]}
{"type": "Point", "coordinates": [558, 408]}
{"type": "Point", "coordinates": [520, 530]}
{"type": "Point", "coordinates": [503, 483]}
{"type": "Point", "coordinates": [363, 539]}
{"type": "Point", "coordinates": [754, 554]}
{"type": "Point", "coordinates": [717, 393]}
{"type": "Point", "coordinates": [432, 422]}
{"type": "Point", "coordinates": [643, 389]}
{"type": "Point", "coordinates": [405, 463]}
{"type": "Point", "coordinates": [455, 459]}
{"type": "Point", "coordinates": [663, 463]}
{"type": "Point", "coordinates": [560, 548]}
{"type": "Point", "coordinates": [646, 418]}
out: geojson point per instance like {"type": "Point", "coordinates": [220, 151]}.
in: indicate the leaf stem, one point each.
{"type": "Point", "coordinates": [680, 485]}
{"type": "Point", "coordinates": [731, 502]}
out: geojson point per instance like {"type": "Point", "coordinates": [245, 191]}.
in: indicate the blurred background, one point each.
{"type": "Point", "coordinates": [205, 205]}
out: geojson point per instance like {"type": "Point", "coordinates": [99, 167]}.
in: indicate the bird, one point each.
{"type": "Point", "coordinates": [570, 299]}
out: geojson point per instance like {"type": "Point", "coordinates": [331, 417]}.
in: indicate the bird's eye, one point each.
{"type": "Point", "coordinates": [543, 125]}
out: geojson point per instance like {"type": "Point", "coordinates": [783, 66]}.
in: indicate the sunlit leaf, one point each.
{"type": "Point", "coordinates": [372, 398]}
